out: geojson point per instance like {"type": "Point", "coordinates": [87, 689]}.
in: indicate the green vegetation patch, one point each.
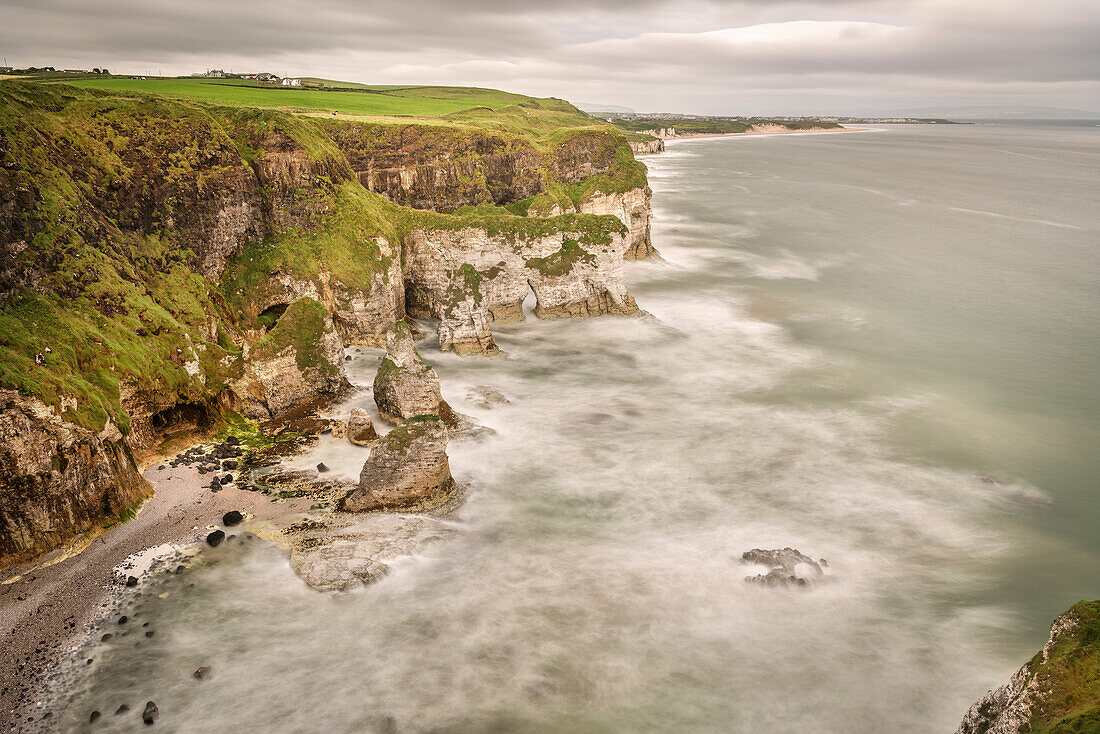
{"type": "Point", "coordinates": [302, 327]}
{"type": "Point", "coordinates": [563, 261]}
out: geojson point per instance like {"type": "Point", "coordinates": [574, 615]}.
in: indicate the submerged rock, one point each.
{"type": "Point", "coordinates": [486, 397]}
{"type": "Point", "coordinates": [408, 469]}
{"type": "Point", "coordinates": [783, 566]}
{"type": "Point", "coordinates": [201, 673]}
{"type": "Point", "coordinates": [405, 386]}
{"type": "Point", "coordinates": [343, 550]}
{"type": "Point", "coordinates": [361, 430]}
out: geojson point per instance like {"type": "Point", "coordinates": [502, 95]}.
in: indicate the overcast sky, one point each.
{"type": "Point", "coordinates": [701, 56]}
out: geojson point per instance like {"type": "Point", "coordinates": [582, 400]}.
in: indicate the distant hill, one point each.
{"type": "Point", "coordinates": [595, 108]}
{"type": "Point", "coordinates": [1000, 112]}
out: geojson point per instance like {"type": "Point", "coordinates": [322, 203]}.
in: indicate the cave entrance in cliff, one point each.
{"type": "Point", "coordinates": [271, 315]}
{"type": "Point", "coordinates": [529, 302]}
{"type": "Point", "coordinates": [180, 419]}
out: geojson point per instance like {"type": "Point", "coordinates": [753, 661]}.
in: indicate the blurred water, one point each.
{"type": "Point", "coordinates": [843, 358]}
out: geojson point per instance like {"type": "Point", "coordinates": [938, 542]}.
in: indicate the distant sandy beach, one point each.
{"type": "Point", "coordinates": [765, 130]}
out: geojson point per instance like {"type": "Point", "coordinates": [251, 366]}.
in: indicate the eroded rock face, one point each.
{"type": "Point", "coordinates": [404, 385]}
{"type": "Point", "coordinates": [633, 208]}
{"type": "Point", "coordinates": [300, 362]}
{"type": "Point", "coordinates": [408, 469]}
{"type": "Point", "coordinates": [57, 479]}
{"type": "Point", "coordinates": [647, 147]}
{"type": "Point", "coordinates": [786, 567]}
{"type": "Point", "coordinates": [470, 278]}
{"type": "Point", "coordinates": [1056, 687]}
{"type": "Point", "coordinates": [360, 430]}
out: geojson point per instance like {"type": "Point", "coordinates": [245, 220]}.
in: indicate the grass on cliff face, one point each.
{"type": "Point", "coordinates": [344, 247]}
{"type": "Point", "coordinates": [301, 327]}
{"type": "Point", "coordinates": [1072, 677]}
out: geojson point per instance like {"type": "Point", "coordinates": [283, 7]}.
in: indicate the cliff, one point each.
{"type": "Point", "coordinates": [166, 264]}
{"type": "Point", "coordinates": [1056, 692]}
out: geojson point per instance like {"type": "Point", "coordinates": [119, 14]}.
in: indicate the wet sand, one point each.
{"type": "Point", "coordinates": [50, 606]}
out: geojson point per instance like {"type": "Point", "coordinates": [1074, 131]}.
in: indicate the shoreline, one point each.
{"type": "Point", "coordinates": [50, 607]}
{"type": "Point", "coordinates": [765, 133]}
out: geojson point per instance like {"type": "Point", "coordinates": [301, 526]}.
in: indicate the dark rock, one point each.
{"type": "Point", "coordinates": [131, 581]}
{"type": "Point", "coordinates": [322, 467]}
{"type": "Point", "coordinates": [227, 479]}
{"type": "Point", "coordinates": [106, 637]}
{"type": "Point", "coordinates": [122, 709]}
{"type": "Point", "coordinates": [94, 717]}
{"type": "Point", "coordinates": [123, 619]}
{"type": "Point", "coordinates": [229, 464]}
{"type": "Point", "coordinates": [233, 441]}
{"type": "Point", "coordinates": [783, 567]}
{"type": "Point", "coordinates": [215, 538]}
{"type": "Point", "coordinates": [150, 633]}
{"type": "Point", "coordinates": [361, 430]}
{"type": "Point", "coordinates": [150, 714]}
{"type": "Point", "coordinates": [231, 518]}
{"type": "Point", "coordinates": [347, 358]}
{"type": "Point", "coordinates": [201, 673]}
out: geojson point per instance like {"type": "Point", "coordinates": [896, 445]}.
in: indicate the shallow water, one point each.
{"type": "Point", "coordinates": [839, 360]}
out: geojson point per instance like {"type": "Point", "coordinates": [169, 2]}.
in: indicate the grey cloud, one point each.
{"type": "Point", "coordinates": [695, 55]}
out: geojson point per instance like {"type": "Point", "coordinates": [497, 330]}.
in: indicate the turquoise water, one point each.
{"type": "Point", "coordinates": [878, 348]}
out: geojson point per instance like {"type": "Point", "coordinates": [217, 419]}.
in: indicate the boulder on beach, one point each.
{"type": "Point", "coordinates": [404, 385]}
{"type": "Point", "coordinates": [408, 469]}
{"type": "Point", "coordinates": [231, 518]}
{"type": "Point", "coordinates": [215, 538]}
{"type": "Point", "coordinates": [786, 567]}
{"type": "Point", "coordinates": [361, 428]}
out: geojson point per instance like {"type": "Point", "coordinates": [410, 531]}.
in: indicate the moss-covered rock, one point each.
{"type": "Point", "coordinates": [405, 386]}
{"type": "Point", "coordinates": [408, 469]}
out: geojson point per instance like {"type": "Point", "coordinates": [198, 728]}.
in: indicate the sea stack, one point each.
{"type": "Point", "coordinates": [405, 386]}
{"type": "Point", "coordinates": [407, 469]}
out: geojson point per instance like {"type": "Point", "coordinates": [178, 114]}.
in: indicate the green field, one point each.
{"type": "Point", "coordinates": [344, 97]}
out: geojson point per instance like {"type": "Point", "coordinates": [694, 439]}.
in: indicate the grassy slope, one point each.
{"type": "Point", "coordinates": [1070, 678]}
{"type": "Point", "coordinates": [120, 306]}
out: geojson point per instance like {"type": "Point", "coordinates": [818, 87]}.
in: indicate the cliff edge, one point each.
{"type": "Point", "coordinates": [1056, 692]}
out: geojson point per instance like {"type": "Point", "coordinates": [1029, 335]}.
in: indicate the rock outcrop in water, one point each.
{"type": "Point", "coordinates": [405, 386]}
{"type": "Point", "coordinates": [360, 429]}
{"type": "Point", "coordinates": [786, 567]}
{"type": "Point", "coordinates": [408, 469]}
{"type": "Point", "coordinates": [1056, 692]}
